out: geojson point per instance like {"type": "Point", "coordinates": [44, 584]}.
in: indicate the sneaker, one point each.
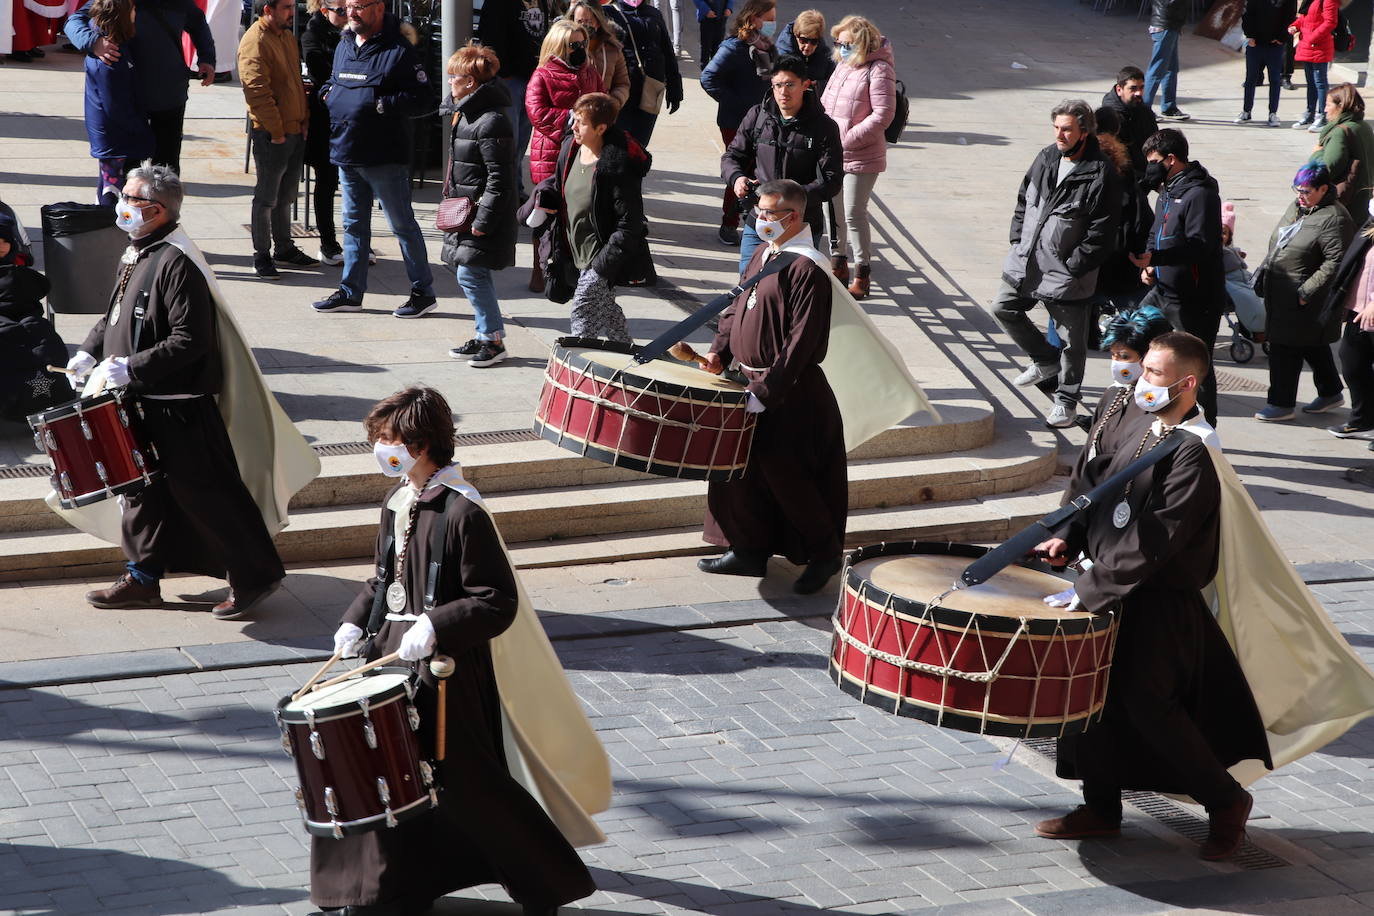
{"type": "Point", "coordinates": [492, 352]}
{"type": "Point", "coordinates": [1271, 414]}
{"type": "Point", "coordinates": [333, 256]}
{"type": "Point", "coordinates": [263, 268]}
{"type": "Point", "coordinates": [468, 349]}
{"type": "Point", "coordinates": [1288, 84]}
{"type": "Point", "coordinates": [1317, 126]}
{"type": "Point", "coordinates": [1322, 405]}
{"type": "Point", "coordinates": [729, 236]}
{"type": "Point", "coordinates": [372, 255]}
{"type": "Point", "coordinates": [338, 301]}
{"type": "Point", "coordinates": [1304, 122]}
{"type": "Point", "coordinates": [1244, 116]}
{"type": "Point", "coordinates": [1034, 375]}
{"type": "Point", "coordinates": [295, 258]}
{"type": "Point", "coordinates": [1273, 120]}
{"type": "Point", "coordinates": [1061, 416]}
{"type": "Point", "coordinates": [416, 306]}
{"type": "Point", "coordinates": [1174, 114]}
{"type": "Point", "coordinates": [1347, 431]}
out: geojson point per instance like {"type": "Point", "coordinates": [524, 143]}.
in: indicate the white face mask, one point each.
{"type": "Point", "coordinates": [129, 218]}
{"type": "Point", "coordinates": [1125, 373]}
{"type": "Point", "coordinates": [1153, 398]}
{"type": "Point", "coordinates": [1371, 208]}
{"type": "Point", "coordinates": [394, 460]}
{"type": "Point", "coordinates": [770, 229]}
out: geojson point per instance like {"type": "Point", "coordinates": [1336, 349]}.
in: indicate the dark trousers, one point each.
{"type": "Point", "coordinates": [1258, 60]}
{"type": "Point", "coordinates": [1285, 367]}
{"type": "Point", "coordinates": [278, 167]}
{"type": "Point", "coordinates": [326, 186]}
{"type": "Point", "coordinates": [729, 213]}
{"type": "Point", "coordinates": [635, 121]}
{"type": "Point", "coordinates": [1357, 367]}
{"type": "Point", "coordinates": [712, 34]}
{"type": "Point", "coordinates": [166, 125]}
{"type": "Point", "coordinates": [1071, 319]}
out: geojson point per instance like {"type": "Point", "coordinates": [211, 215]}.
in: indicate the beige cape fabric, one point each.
{"type": "Point", "coordinates": [560, 760]}
{"type": "Point", "coordinates": [274, 459]}
{"type": "Point", "coordinates": [867, 374]}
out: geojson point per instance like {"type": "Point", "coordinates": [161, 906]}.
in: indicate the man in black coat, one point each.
{"type": "Point", "coordinates": [1265, 24]}
{"type": "Point", "coordinates": [1184, 252]}
{"type": "Point", "coordinates": [787, 135]}
{"type": "Point", "coordinates": [1138, 123]}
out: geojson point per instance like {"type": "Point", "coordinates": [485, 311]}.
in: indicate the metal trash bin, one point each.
{"type": "Point", "coordinates": [81, 251]}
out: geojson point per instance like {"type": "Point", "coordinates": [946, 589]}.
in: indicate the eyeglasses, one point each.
{"type": "Point", "coordinates": [774, 214]}
{"type": "Point", "coordinates": [336, 10]}
{"type": "Point", "coordinates": [804, 40]}
{"type": "Point", "coordinates": [353, 9]}
{"type": "Point", "coordinates": [130, 198]}
{"type": "Point", "coordinates": [783, 87]}
{"type": "Point", "coordinates": [1303, 192]}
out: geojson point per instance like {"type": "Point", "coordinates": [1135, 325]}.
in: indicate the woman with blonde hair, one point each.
{"type": "Point", "coordinates": [805, 35]}
{"type": "Point", "coordinates": [737, 78]}
{"type": "Point", "coordinates": [861, 97]}
{"type": "Point", "coordinates": [604, 51]}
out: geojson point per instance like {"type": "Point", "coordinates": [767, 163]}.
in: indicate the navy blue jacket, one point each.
{"type": "Point", "coordinates": [819, 66]}
{"type": "Point", "coordinates": [711, 6]}
{"type": "Point", "coordinates": [116, 122]}
{"type": "Point", "coordinates": [161, 76]}
{"type": "Point", "coordinates": [732, 79]}
{"type": "Point", "coordinates": [371, 96]}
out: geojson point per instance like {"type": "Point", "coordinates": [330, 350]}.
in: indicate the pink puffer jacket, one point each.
{"type": "Point", "coordinates": [862, 101]}
{"type": "Point", "coordinates": [553, 90]}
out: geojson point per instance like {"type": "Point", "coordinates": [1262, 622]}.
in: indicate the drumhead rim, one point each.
{"type": "Point", "coordinates": [74, 406]}
{"type": "Point", "coordinates": [341, 708]}
{"type": "Point", "coordinates": [562, 352]}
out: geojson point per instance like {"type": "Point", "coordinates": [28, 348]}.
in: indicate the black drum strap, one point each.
{"type": "Point", "coordinates": [141, 297]}
{"type": "Point", "coordinates": [438, 538]}
{"type": "Point", "coordinates": [384, 561]}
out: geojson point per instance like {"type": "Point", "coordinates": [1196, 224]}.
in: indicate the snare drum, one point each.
{"type": "Point", "coordinates": [992, 659]}
{"type": "Point", "coordinates": [358, 755]}
{"type": "Point", "coordinates": [97, 447]}
{"type": "Point", "coordinates": [663, 417]}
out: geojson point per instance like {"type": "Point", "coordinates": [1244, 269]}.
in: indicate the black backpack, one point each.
{"type": "Point", "coordinates": [1343, 37]}
{"type": "Point", "coordinates": [901, 110]}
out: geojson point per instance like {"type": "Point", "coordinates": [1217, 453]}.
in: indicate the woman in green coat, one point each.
{"type": "Point", "coordinates": [1347, 140]}
{"type": "Point", "coordinates": [1304, 252]}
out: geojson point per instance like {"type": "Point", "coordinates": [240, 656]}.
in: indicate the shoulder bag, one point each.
{"type": "Point", "coordinates": [455, 213]}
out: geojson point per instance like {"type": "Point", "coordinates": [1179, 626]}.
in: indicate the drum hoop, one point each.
{"type": "Point", "coordinates": [326, 828]}
{"type": "Point", "coordinates": [76, 407]}
{"type": "Point", "coordinates": [119, 489]}
{"type": "Point", "coordinates": [562, 354]}
{"type": "Point", "coordinates": [342, 710]}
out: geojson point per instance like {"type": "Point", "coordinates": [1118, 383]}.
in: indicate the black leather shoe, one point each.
{"type": "Point", "coordinates": [736, 563]}
{"type": "Point", "coordinates": [816, 574]}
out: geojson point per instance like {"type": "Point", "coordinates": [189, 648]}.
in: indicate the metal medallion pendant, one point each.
{"type": "Point", "coordinates": [114, 314]}
{"type": "Point", "coordinates": [1121, 515]}
{"type": "Point", "coordinates": [396, 597]}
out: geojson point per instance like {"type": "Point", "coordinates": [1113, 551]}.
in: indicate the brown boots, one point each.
{"type": "Point", "coordinates": [1226, 828]}
{"type": "Point", "coordinates": [859, 288]}
{"type": "Point", "coordinates": [1080, 823]}
{"type": "Point", "coordinates": [536, 278]}
{"type": "Point", "coordinates": [840, 268]}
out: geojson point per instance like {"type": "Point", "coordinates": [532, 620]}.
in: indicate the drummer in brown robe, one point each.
{"type": "Point", "coordinates": [487, 829]}
{"type": "Point", "coordinates": [1179, 711]}
{"type": "Point", "coordinates": [158, 337]}
{"type": "Point", "coordinates": [793, 497]}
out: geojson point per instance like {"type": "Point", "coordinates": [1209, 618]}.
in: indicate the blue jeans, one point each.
{"type": "Point", "coordinates": [481, 292]}
{"type": "Point", "coordinates": [520, 121]}
{"type": "Point", "coordinates": [390, 184]}
{"type": "Point", "coordinates": [145, 573]}
{"type": "Point", "coordinates": [1163, 70]}
{"type": "Point", "coordinates": [1317, 85]}
{"type": "Point", "coordinates": [1260, 59]}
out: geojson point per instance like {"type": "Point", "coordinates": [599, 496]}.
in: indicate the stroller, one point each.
{"type": "Point", "coordinates": [1244, 315]}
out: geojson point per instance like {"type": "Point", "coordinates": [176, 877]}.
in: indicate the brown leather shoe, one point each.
{"type": "Point", "coordinates": [859, 288]}
{"type": "Point", "coordinates": [1226, 829]}
{"type": "Point", "coordinates": [127, 592]}
{"type": "Point", "coordinates": [840, 268]}
{"type": "Point", "coordinates": [1080, 823]}
{"type": "Point", "coordinates": [238, 605]}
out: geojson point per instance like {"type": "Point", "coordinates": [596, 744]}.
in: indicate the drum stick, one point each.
{"type": "Point", "coordinates": [683, 351]}
{"type": "Point", "coordinates": [384, 660]}
{"type": "Point", "coordinates": [333, 659]}
{"type": "Point", "coordinates": [441, 666]}
{"type": "Point", "coordinates": [61, 369]}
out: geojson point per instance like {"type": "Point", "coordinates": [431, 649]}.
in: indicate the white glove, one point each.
{"type": "Point", "coordinates": [753, 405]}
{"type": "Point", "coordinates": [348, 639]}
{"type": "Point", "coordinates": [116, 369]}
{"type": "Point", "coordinates": [538, 217]}
{"type": "Point", "coordinates": [419, 640]}
{"type": "Point", "coordinates": [80, 365]}
{"type": "Point", "coordinates": [1067, 598]}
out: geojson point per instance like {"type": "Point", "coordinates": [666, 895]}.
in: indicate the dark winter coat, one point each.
{"type": "Point", "coordinates": [1061, 233]}
{"type": "Point", "coordinates": [116, 120]}
{"type": "Point", "coordinates": [1298, 276]}
{"type": "Point", "coordinates": [1266, 21]}
{"type": "Point", "coordinates": [1118, 275]}
{"type": "Point", "coordinates": [648, 48]}
{"type": "Point", "coordinates": [371, 95]}
{"type": "Point", "coordinates": [1138, 124]}
{"type": "Point", "coordinates": [514, 29]}
{"type": "Point", "coordinates": [28, 344]}
{"type": "Point", "coordinates": [319, 40]}
{"type": "Point", "coordinates": [161, 76]}
{"type": "Point", "coordinates": [807, 151]}
{"type": "Point", "coordinates": [481, 168]}
{"type": "Point", "coordinates": [1169, 14]}
{"type": "Point", "coordinates": [737, 78]}
{"type": "Point", "coordinates": [1185, 242]}
{"type": "Point", "coordinates": [819, 65]}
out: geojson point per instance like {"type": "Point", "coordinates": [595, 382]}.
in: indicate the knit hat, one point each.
{"type": "Point", "coordinates": [1228, 216]}
{"type": "Point", "coordinates": [9, 231]}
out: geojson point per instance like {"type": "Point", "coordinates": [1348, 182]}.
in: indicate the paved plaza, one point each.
{"type": "Point", "coordinates": [141, 771]}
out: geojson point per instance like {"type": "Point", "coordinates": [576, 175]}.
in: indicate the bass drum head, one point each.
{"type": "Point", "coordinates": [1014, 592]}
{"type": "Point", "coordinates": [657, 370]}
{"type": "Point", "coordinates": [344, 696]}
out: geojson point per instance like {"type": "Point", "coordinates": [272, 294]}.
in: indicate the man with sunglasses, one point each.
{"type": "Point", "coordinates": [377, 85]}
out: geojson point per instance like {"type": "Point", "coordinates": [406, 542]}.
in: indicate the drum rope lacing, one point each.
{"type": "Point", "coordinates": [626, 409]}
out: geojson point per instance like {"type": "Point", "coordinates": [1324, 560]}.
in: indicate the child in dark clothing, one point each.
{"type": "Point", "coordinates": [28, 342]}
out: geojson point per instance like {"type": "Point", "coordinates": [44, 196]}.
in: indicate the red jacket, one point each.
{"type": "Point", "coordinates": [1315, 27]}
{"type": "Point", "coordinates": [552, 91]}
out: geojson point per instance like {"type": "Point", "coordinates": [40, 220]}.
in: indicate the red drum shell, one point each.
{"type": "Point", "coordinates": [350, 766]}
{"type": "Point", "coordinates": [86, 437]}
{"type": "Point", "coordinates": [648, 418]}
{"type": "Point", "coordinates": [1051, 668]}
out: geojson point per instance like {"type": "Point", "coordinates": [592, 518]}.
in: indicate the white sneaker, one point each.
{"type": "Point", "coordinates": [1304, 122]}
{"type": "Point", "coordinates": [1317, 126]}
{"type": "Point", "coordinates": [1274, 120]}
{"type": "Point", "coordinates": [1060, 416]}
{"type": "Point", "coordinates": [1244, 117]}
{"type": "Point", "coordinates": [1034, 375]}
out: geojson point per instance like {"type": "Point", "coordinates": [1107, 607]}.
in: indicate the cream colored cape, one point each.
{"type": "Point", "coordinates": [1309, 684]}
{"type": "Point", "coordinates": [551, 748]}
{"type": "Point", "coordinates": [273, 457]}
{"type": "Point", "coordinates": [867, 374]}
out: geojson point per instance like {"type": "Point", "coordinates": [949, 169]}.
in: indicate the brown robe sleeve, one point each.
{"type": "Point", "coordinates": [483, 578]}
{"type": "Point", "coordinates": [95, 341]}
{"type": "Point", "coordinates": [805, 292]}
{"type": "Point", "coordinates": [181, 287]}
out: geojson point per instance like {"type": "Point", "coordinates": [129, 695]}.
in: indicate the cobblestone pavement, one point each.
{"type": "Point", "coordinates": [745, 783]}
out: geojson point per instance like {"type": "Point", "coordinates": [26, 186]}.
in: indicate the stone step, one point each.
{"type": "Point", "coordinates": [352, 480]}
{"type": "Point", "coordinates": [599, 510]}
